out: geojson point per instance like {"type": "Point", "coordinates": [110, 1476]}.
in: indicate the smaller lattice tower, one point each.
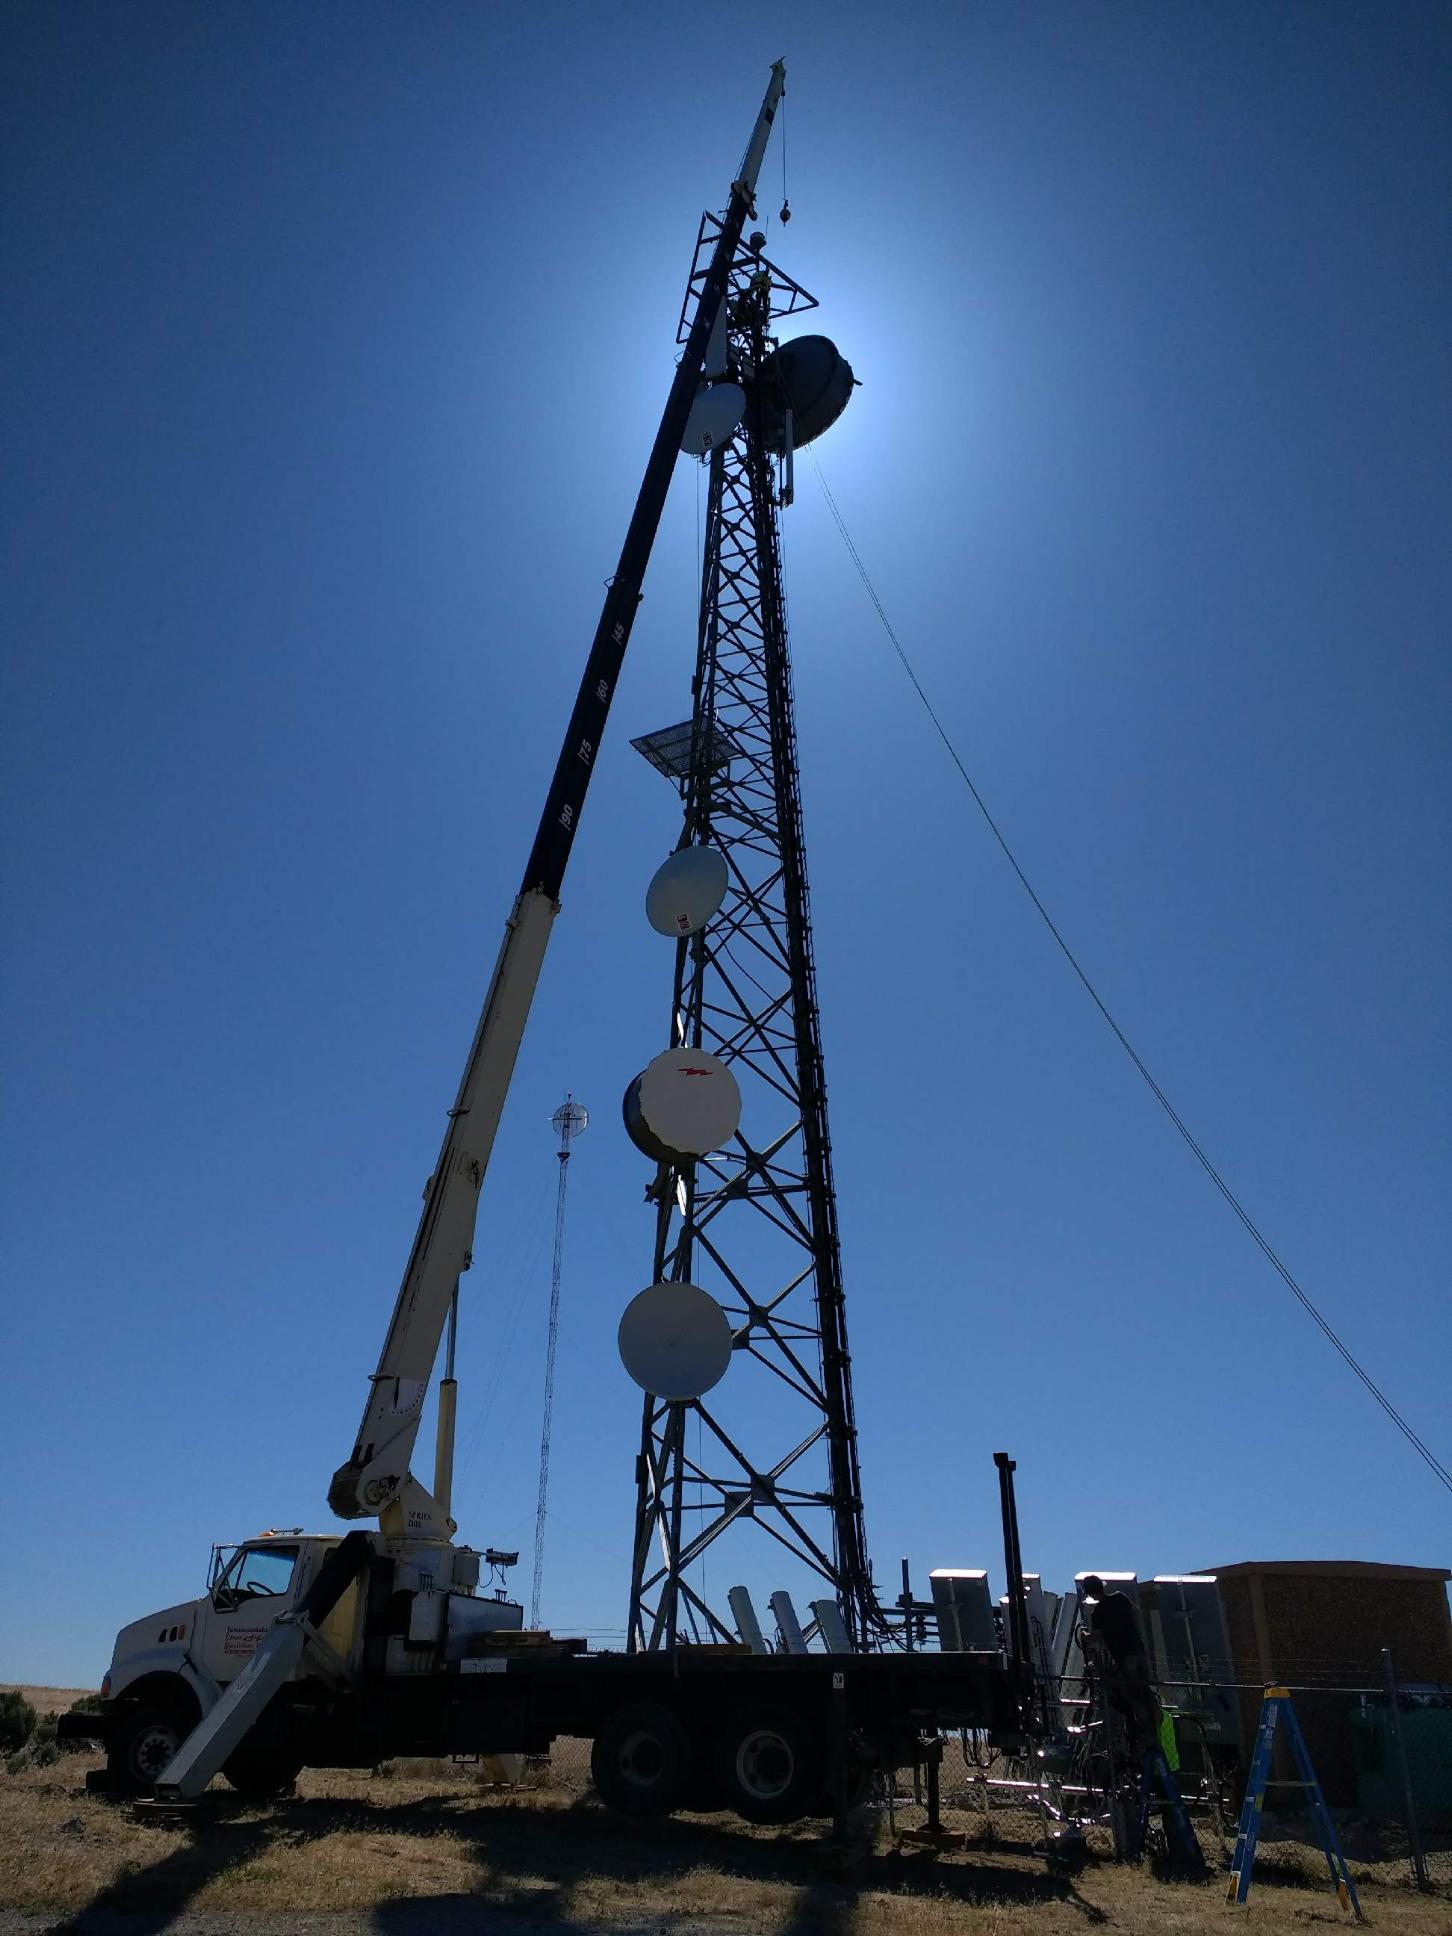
{"type": "Point", "coordinates": [568, 1121]}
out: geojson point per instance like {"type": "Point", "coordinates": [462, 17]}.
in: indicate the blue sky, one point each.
{"type": "Point", "coordinates": [336, 339]}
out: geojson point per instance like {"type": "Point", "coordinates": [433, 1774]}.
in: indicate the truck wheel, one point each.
{"type": "Point", "coordinates": [770, 1767]}
{"type": "Point", "coordinates": [140, 1747]}
{"type": "Point", "coordinates": [262, 1778]}
{"type": "Point", "coordinates": [641, 1760]}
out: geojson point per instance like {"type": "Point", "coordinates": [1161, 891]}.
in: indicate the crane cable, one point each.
{"type": "Point", "coordinates": [1418, 1445]}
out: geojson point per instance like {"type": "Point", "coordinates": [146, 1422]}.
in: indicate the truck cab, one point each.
{"type": "Point", "coordinates": [170, 1669]}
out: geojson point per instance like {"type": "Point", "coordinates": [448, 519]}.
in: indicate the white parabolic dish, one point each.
{"type": "Point", "coordinates": [714, 416]}
{"type": "Point", "coordinates": [683, 1105]}
{"type": "Point", "coordinates": [675, 1340]}
{"type": "Point", "coordinates": [686, 891]}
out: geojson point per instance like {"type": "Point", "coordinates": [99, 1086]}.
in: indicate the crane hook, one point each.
{"type": "Point", "coordinates": [786, 213]}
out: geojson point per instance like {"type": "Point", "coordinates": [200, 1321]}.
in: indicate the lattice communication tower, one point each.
{"type": "Point", "coordinates": [774, 1445]}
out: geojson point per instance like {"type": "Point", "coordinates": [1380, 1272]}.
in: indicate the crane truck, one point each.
{"type": "Point", "coordinates": [341, 1649]}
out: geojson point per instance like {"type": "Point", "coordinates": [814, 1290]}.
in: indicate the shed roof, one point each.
{"type": "Point", "coordinates": [1333, 1569]}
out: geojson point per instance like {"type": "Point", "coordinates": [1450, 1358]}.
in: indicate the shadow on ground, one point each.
{"type": "Point", "coordinates": [525, 1847]}
{"type": "Point", "coordinates": [537, 1857]}
{"type": "Point", "coordinates": [150, 1897]}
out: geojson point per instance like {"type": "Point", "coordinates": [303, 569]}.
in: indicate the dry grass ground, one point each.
{"type": "Point", "coordinates": [352, 1841]}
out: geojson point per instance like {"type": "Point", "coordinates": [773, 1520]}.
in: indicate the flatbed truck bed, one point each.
{"type": "Point", "coordinates": [773, 1736]}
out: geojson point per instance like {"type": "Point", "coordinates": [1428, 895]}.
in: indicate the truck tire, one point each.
{"type": "Point", "coordinates": [641, 1761]}
{"type": "Point", "coordinates": [141, 1745]}
{"type": "Point", "coordinates": [769, 1766]}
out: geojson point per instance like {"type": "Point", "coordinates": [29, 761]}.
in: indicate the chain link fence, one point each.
{"type": "Point", "coordinates": [1386, 1772]}
{"type": "Point", "coordinates": [1384, 1765]}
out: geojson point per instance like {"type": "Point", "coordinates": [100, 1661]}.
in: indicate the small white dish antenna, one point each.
{"type": "Point", "coordinates": [675, 1340]}
{"type": "Point", "coordinates": [684, 1104]}
{"type": "Point", "coordinates": [714, 416]}
{"type": "Point", "coordinates": [686, 891]}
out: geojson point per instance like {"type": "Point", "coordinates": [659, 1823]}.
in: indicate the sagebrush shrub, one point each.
{"type": "Point", "coordinates": [17, 1720]}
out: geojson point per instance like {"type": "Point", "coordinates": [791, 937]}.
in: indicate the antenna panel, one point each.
{"type": "Point", "coordinates": [964, 1610]}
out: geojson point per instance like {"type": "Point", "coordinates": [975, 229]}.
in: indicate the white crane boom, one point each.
{"type": "Point", "coordinates": [376, 1477]}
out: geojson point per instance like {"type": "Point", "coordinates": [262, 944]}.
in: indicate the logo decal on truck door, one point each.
{"type": "Point", "coordinates": [241, 1642]}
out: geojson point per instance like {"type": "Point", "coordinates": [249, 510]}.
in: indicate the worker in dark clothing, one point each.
{"type": "Point", "coordinates": [1114, 1620]}
{"type": "Point", "coordinates": [1113, 1630]}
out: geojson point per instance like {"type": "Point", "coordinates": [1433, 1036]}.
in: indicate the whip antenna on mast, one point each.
{"type": "Point", "coordinates": [568, 1121]}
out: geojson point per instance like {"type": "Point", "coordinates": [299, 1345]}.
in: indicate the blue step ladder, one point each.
{"type": "Point", "coordinates": [1275, 1708]}
{"type": "Point", "coordinates": [1156, 1774]}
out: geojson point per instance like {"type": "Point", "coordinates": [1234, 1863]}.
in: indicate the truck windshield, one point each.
{"type": "Point", "coordinates": [257, 1570]}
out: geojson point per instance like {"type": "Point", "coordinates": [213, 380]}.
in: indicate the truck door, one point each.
{"type": "Point", "coordinates": [245, 1599]}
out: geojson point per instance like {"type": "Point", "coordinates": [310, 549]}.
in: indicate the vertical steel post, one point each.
{"type": "Point", "coordinates": [1414, 1831]}
{"type": "Point", "coordinates": [1018, 1628]}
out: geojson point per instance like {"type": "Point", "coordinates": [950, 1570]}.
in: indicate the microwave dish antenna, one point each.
{"type": "Point", "coordinates": [683, 1105]}
{"type": "Point", "coordinates": [715, 418]}
{"type": "Point", "coordinates": [686, 891]}
{"type": "Point", "coordinates": [809, 381]}
{"type": "Point", "coordinates": [675, 1341]}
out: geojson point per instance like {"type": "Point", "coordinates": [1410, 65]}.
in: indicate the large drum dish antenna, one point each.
{"type": "Point", "coordinates": [810, 377]}
{"type": "Point", "coordinates": [683, 1105]}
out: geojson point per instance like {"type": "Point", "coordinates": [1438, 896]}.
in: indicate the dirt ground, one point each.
{"type": "Point", "coordinates": [356, 1853]}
